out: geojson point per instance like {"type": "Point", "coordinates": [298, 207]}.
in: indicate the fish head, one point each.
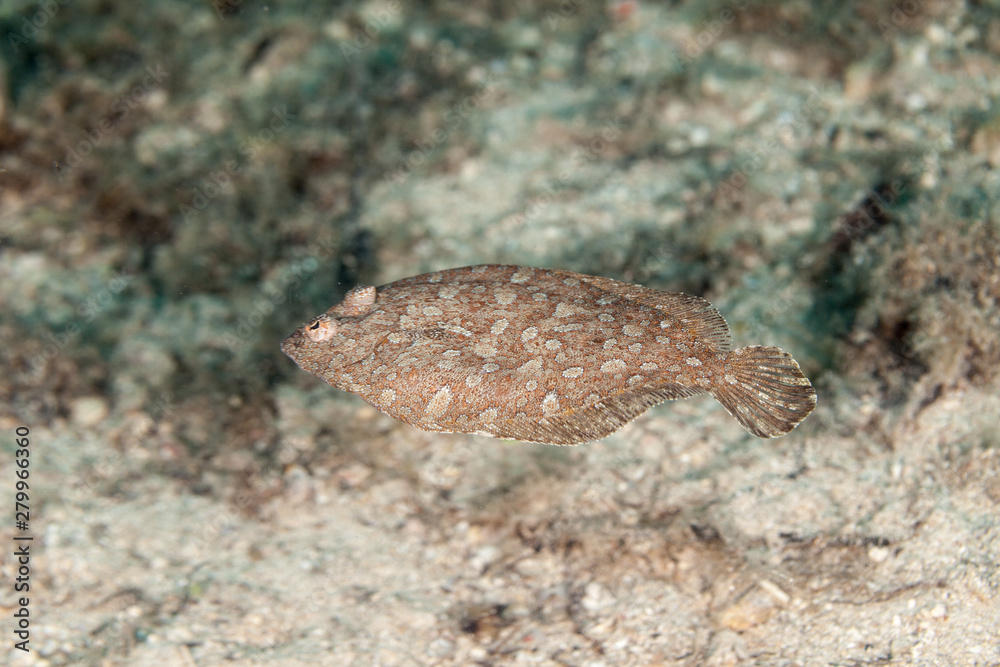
{"type": "Point", "coordinates": [337, 338]}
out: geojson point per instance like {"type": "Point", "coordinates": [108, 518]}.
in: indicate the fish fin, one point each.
{"type": "Point", "coordinates": [695, 314]}
{"type": "Point", "coordinates": [765, 390]}
{"type": "Point", "coordinates": [593, 422]}
{"type": "Point", "coordinates": [674, 391]}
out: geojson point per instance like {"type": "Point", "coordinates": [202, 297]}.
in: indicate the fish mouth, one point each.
{"type": "Point", "coordinates": [291, 345]}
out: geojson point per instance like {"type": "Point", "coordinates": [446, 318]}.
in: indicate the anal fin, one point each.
{"type": "Point", "coordinates": [593, 422]}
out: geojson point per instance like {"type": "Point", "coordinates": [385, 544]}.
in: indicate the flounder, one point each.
{"type": "Point", "coordinates": [541, 355]}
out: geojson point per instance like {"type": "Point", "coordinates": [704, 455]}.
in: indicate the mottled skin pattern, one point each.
{"type": "Point", "coordinates": [540, 355]}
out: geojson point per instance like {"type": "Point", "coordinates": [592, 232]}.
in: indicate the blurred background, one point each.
{"type": "Point", "coordinates": [182, 183]}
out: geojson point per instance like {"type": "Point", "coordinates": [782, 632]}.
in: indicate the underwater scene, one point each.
{"type": "Point", "coordinates": [562, 333]}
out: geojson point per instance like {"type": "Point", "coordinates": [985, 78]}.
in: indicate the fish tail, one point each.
{"type": "Point", "coordinates": [764, 388]}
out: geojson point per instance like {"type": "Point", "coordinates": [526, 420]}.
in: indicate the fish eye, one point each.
{"type": "Point", "coordinates": [321, 329]}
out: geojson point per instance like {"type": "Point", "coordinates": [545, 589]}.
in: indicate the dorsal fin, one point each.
{"type": "Point", "coordinates": [696, 315]}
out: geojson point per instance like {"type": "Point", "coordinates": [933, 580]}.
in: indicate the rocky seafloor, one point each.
{"type": "Point", "coordinates": [183, 183]}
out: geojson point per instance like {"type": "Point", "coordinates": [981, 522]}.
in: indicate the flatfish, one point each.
{"type": "Point", "coordinates": [541, 355]}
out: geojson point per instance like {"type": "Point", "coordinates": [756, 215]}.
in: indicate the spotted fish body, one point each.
{"type": "Point", "coordinates": [541, 355]}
